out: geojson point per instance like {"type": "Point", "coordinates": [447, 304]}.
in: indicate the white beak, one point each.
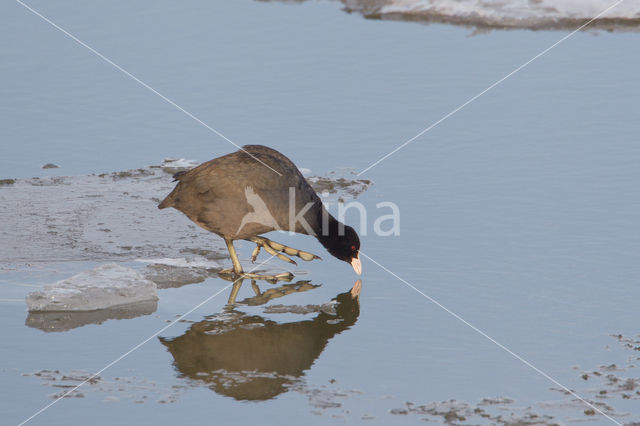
{"type": "Point", "coordinates": [357, 266]}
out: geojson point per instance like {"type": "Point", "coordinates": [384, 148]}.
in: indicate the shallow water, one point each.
{"type": "Point", "coordinates": [519, 213]}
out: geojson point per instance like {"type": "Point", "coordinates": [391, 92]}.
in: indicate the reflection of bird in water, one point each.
{"type": "Point", "coordinates": [248, 357]}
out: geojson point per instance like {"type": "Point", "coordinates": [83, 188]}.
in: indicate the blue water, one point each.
{"type": "Point", "coordinates": [519, 213]}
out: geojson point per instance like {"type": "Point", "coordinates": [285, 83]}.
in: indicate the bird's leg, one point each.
{"type": "Point", "coordinates": [237, 269]}
{"type": "Point", "coordinates": [277, 249]}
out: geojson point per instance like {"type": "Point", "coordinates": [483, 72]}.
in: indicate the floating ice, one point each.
{"type": "Point", "coordinates": [339, 185]}
{"type": "Point", "coordinates": [103, 287]}
{"type": "Point", "coordinates": [175, 165]}
{"type": "Point", "coordinates": [536, 14]}
{"type": "Point", "coordinates": [166, 276]}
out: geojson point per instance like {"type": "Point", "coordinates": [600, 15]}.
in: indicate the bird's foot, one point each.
{"type": "Point", "coordinates": [231, 275]}
{"type": "Point", "coordinates": [277, 249]}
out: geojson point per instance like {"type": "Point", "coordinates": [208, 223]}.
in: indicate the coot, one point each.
{"type": "Point", "coordinates": [256, 190]}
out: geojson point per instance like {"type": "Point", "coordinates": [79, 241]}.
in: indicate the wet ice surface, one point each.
{"type": "Point", "coordinates": [103, 287]}
{"type": "Point", "coordinates": [105, 217]}
{"type": "Point", "coordinates": [166, 276]}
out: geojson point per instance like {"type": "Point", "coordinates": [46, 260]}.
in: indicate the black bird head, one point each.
{"type": "Point", "coordinates": [345, 246]}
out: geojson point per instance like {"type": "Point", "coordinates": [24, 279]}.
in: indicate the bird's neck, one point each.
{"type": "Point", "coordinates": [329, 231]}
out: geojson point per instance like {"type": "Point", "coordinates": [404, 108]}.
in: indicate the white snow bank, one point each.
{"type": "Point", "coordinates": [103, 287]}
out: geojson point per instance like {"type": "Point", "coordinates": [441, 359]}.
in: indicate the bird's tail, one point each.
{"type": "Point", "coordinates": [168, 202]}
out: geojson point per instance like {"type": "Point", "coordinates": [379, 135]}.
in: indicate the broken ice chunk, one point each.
{"type": "Point", "coordinates": [99, 288]}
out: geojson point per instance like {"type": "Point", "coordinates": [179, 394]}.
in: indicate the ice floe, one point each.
{"type": "Point", "coordinates": [534, 14]}
{"type": "Point", "coordinates": [103, 287]}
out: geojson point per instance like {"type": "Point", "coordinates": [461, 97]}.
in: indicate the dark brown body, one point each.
{"type": "Point", "coordinates": [215, 197]}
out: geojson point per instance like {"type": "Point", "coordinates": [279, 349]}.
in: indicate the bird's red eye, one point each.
{"type": "Point", "coordinates": [353, 248]}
